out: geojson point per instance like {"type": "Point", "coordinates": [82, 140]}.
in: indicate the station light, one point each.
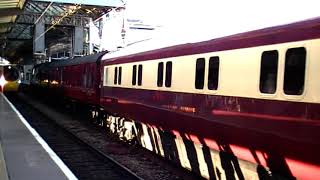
{"type": "Point", "coordinates": [2, 81]}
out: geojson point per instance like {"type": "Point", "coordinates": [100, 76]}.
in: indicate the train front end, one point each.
{"type": "Point", "coordinates": [9, 78]}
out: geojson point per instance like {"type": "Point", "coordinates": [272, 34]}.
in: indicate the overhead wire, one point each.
{"type": "Point", "coordinates": [66, 14]}
{"type": "Point", "coordinates": [44, 12]}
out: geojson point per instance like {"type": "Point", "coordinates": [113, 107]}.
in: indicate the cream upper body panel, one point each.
{"type": "Point", "coordinates": [239, 73]}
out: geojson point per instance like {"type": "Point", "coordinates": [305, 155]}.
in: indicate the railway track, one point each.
{"type": "Point", "coordinates": [142, 162]}
{"type": "Point", "coordinates": [85, 161]}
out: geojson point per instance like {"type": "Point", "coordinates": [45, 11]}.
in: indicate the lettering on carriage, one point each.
{"type": "Point", "coordinates": [186, 109]}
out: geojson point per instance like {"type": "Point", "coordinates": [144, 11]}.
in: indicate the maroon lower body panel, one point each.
{"type": "Point", "coordinates": [86, 96]}
{"type": "Point", "coordinates": [283, 136]}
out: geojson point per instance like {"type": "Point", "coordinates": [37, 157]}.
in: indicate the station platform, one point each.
{"type": "Point", "coordinates": [24, 154]}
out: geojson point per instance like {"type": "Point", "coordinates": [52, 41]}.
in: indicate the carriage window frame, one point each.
{"type": "Point", "coordinates": [134, 75]}
{"type": "Point", "coordinates": [140, 73]}
{"type": "Point", "coordinates": [160, 74]}
{"type": "Point", "coordinates": [115, 80]}
{"type": "Point", "coordinates": [269, 66]}
{"type": "Point", "coordinates": [106, 75]}
{"type": "Point", "coordinates": [168, 79]}
{"type": "Point", "coordinates": [85, 77]}
{"type": "Point", "coordinates": [213, 73]}
{"type": "Point", "coordinates": [119, 75]}
{"type": "Point", "coordinates": [200, 73]}
{"type": "Point", "coordinates": [291, 76]}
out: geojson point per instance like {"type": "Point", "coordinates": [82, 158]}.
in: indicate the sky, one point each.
{"type": "Point", "coordinates": [192, 21]}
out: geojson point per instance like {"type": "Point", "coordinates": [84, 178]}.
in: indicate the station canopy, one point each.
{"type": "Point", "coordinates": [18, 17]}
{"type": "Point", "coordinates": [8, 13]}
{"type": "Point", "coordinates": [112, 3]}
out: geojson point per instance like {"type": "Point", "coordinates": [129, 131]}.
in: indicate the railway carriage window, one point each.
{"type": "Point", "coordinates": [160, 74]}
{"type": "Point", "coordinates": [134, 75]}
{"type": "Point", "coordinates": [200, 66]}
{"type": "Point", "coordinates": [140, 75]}
{"type": "Point", "coordinates": [90, 78]}
{"type": "Point", "coordinates": [268, 72]}
{"type": "Point", "coordinates": [61, 76]}
{"type": "Point", "coordinates": [115, 75]}
{"type": "Point", "coordinates": [294, 72]}
{"type": "Point", "coordinates": [168, 74]}
{"type": "Point", "coordinates": [79, 79]}
{"type": "Point", "coordinates": [85, 77]}
{"type": "Point", "coordinates": [106, 76]}
{"type": "Point", "coordinates": [213, 76]}
{"type": "Point", "coordinates": [119, 77]}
